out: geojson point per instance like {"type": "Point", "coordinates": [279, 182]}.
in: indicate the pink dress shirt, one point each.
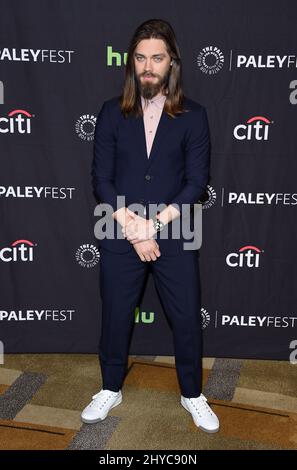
{"type": "Point", "coordinates": [151, 117]}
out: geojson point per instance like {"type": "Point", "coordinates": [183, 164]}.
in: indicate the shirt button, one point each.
{"type": "Point", "coordinates": [147, 177]}
{"type": "Point", "coordinates": [150, 132]}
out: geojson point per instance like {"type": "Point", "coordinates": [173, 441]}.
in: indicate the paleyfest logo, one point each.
{"type": "Point", "coordinates": [20, 250]}
{"type": "Point", "coordinates": [210, 60]}
{"type": "Point", "coordinates": [85, 127]}
{"type": "Point", "coordinates": [209, 198]}
{"type": "Point", "coordinates": [205, 318]}
{"type": "Point", "coordinates": [87, 255]}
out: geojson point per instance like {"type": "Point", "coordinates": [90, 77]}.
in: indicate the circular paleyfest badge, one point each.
{"type": "Point", "coordinates": [210, 60]}
{"type": "Point", "coordinates": [209, 198]}
{"type": "Point", "coordinates": [87, 255]}
{"type": "Point", "coordinates": [205, 318]}
{"type": "Point", "coordinates": [85, 127]}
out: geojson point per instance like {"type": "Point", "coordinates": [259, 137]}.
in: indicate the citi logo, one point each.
{"type": "Point", "coordinates": [256, 127]}
{"type": "Point", "coordinates": [18, 121]}
{"type": "Point", "coordinates": [247, 257]}
{"type": "Point", "coordinates": [20, 250]}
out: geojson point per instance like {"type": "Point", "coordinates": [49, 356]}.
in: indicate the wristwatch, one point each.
{"type": "Point", "coordinates": [158, 225]}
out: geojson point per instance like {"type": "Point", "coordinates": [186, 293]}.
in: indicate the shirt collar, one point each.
{"type": "Point", "coordinates": [158, 101]}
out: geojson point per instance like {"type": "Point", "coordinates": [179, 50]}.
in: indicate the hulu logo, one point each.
{"type": "Point", "coordinates": [115, 58]}
{"type": "Point", "coordinates": [144, 317]}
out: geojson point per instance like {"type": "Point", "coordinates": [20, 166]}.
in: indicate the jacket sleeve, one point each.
{"type": "Point", "coordinates": [197, 160]}
{"type": "Point", "coordinates": [104, 154]}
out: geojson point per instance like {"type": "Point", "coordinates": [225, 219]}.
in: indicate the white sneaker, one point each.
{"type": "Point", "coordinates": [101, 404]}
{"type": "Point", "coordinates": [202, 414]}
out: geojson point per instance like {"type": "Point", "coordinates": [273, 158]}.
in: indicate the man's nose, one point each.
{"type": "Point", "coordinates": [148, 65]}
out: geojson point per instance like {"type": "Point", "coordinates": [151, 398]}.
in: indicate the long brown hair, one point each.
{"type": "Point", "coordinates": [130, 99]}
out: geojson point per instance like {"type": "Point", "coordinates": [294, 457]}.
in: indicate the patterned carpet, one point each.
{"type": "Point", "coordinates": [42, 395]}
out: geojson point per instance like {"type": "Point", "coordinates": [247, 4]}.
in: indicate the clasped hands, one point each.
{"type": "Point", "coordinates": [138, 228]}
{"type": "Point", "coordinates": [139, 232]}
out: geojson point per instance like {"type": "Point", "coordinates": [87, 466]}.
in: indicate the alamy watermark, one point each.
{"type": "Point", "coordinates": [180, 227]}
{"type": "Point", "coordinates": [293, 355]}
{"type": "Point", "coordinates": [1, 352]}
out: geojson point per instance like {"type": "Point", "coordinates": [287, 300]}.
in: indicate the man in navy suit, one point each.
{"type": "Point", "coordinates": [150, 167]}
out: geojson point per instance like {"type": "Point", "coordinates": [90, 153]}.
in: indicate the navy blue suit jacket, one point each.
{"type": "Point", "coordinates": [176, 171]}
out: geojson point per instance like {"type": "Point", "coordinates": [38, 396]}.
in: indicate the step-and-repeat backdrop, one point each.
{"type": "Point", "coordinates": [59, 61]}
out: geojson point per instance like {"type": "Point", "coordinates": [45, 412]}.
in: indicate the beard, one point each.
{"type": "Point", "coordinates": [150, 89]}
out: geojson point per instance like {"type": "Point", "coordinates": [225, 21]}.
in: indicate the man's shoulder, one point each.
{"type": "Point", "coordinates": [113, 103]}
{"type": "Point", "coordinates": [192, 105]}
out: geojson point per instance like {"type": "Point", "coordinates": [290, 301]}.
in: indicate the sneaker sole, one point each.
{"type": "Point", "coordinates": [97, 420]}
{"type": "Point", "coordinates": [209, 431]}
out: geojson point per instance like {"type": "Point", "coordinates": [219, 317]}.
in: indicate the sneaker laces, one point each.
{"type": "Point", "coordinates": [201, 406]}
{"type": "Point", "coordinates": [101, 398]}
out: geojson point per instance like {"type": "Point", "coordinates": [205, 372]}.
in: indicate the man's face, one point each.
{"type": "Point", "coordinates": [152, 66]}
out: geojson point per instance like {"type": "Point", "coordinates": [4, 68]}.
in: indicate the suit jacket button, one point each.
{"type": "Point", "coordinates": [147, 177]}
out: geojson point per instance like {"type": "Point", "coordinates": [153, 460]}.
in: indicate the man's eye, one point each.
{"type": "Point", "coordinates": [157, 59]}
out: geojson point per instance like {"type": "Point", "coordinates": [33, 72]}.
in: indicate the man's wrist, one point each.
{"type": "Point", "coordinates": [152, 229]}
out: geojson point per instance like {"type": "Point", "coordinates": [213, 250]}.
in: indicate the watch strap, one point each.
{"type": "Point", "coordinates": [158, 225]}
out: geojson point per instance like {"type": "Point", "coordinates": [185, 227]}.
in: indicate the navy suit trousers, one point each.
{"type": "Point", "coordinates": [177, 281]}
